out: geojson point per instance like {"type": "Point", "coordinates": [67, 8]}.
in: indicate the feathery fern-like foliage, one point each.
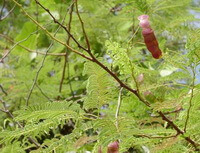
{"type": "Point", "coordinates": [59, 102]}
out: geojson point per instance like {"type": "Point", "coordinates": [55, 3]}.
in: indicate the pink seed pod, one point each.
{"type": "Point", "coordinates": [144, 21]}
{"type": "Point", "coordinates": [149, 37]}
{"type": "Point", "coordinates": [113, 147]}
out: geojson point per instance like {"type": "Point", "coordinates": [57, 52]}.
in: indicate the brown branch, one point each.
{"type": "Point", "coordinates": [60, 24]}
{"type": "Point", "coordinates": [37, 74]}
{"type": "Point", "coordinates": [66, 60]}
{"type": "Point", "coordinates": [137, 87]}
{"type": "Point", "coordinates": [37, 28]}
{"type": "Point", "coordinates": [82, 26]}
{"type": "Point", "coordinates": [179, 131]}
{"type": "Point", "coordinates": [29, 50]}
{"type": "Point", "coordinates": [93, 59]}
{"type": "Point", "coordinates": [6, 110]}
{"type": "Point", "coordinates": [49, 34]}
{"type": "Point", "coordinates": [66, 56]}
{"type": "Point", "coordinates": [96, 61]}
{"type": "Point", "coordinates": [119, 81]}
{"type": "Point", "coordinates": [123, 85]}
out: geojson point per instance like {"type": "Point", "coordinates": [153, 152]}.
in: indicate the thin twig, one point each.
{"type": "Point", "coordinates": [118, 107]}
{"type": "Point", "coordinates": [159, 137]}
{"type": "Point", "coordinates": [179, 131]}
{"type": "Point", "coordinates": [9, 51]}
{"type": "Point", "coordinates": [75, 96]}
{"type": "Point", "coordinates": [70, 85]}
{"type": "Point", "coordinates": [3, 5]}
{"type": "Point", "coordinates": [116, 77]}
{"type": "Point", "coordinates": [93, 59]}
{"type": "Point", "coordinates": [82, 26]}
{"type": "Point", "coordinates": [68, 73]}
{"type": "Point", "coordinates": [134, 34]}
{"type": "Point", "coordinates": [171, 112]}
{"type": "Point", "coordinates": [105, 68]}
{"type": "Point", "coordinates": [42, 92]}
{"type": "Point", "coordinates": [66, 56]}
{"type": "Point", "coordinates": [92, 56]}
{"type": "Point", "coordinates": [6, 110]}
{"type": "Point", "coordinates": [2, 18]}
{"type": "Point", "coordinates": [60, 24]}
{"type": "Point", "coordinates": [190, 101]}
{"type": "Point", "coordinates": [3, 90]}
{"type": "Point", "coordinates": [29, 50]}
{"type": "Point", "coordinates": [134, 78]}
{"type": "Point", "coordinates": [2, 110]}
{"type": "Point", "coordinates": [49, 34]}
{"type": "Point", "coordinates": [37, 74]}
{"type": "Point", "coordinates": [37, 19]}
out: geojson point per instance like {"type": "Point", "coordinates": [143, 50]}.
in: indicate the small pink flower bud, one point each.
{"type": "Point", "coordinates": [140, 78]}
{"type": "Point", "coordinates": [113, 147]}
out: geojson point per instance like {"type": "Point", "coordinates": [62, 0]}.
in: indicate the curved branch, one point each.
{"type": "Point", "coordinates": [66, 56]}
{"type": "Point", "coordinates": [190, 101]}
{"type": "Point", "coordinates": [3, 90]}
{"type": "Point", "coordinates": [49, 34]}
{"type": "Point", "coordinates": [82, 26]}
{"type": "Point", "coordinates": [93, 59]}
{"type": "Point", "coordinates": [37, 74]}
{"type": "Point", "coordinates": [1, 19]}
{"type": "Point", "coordinates": [29, 50]}
{"type": "Point", "coordinates": [9, 51]}
{"type": "Point", "coordinates": [61, 25]}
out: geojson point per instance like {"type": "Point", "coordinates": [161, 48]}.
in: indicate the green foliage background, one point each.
{"type": "Point", "coordinates": [81, 117]}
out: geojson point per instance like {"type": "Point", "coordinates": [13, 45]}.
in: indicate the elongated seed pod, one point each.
{"type": "Point", "coordinates": [149, 37]}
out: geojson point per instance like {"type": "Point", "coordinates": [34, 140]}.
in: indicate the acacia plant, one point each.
{"type": "Point", "coordinates": [77, 76]}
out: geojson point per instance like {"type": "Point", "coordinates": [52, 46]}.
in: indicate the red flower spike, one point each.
{"type": "Point", "coordinates": [149, 37]}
